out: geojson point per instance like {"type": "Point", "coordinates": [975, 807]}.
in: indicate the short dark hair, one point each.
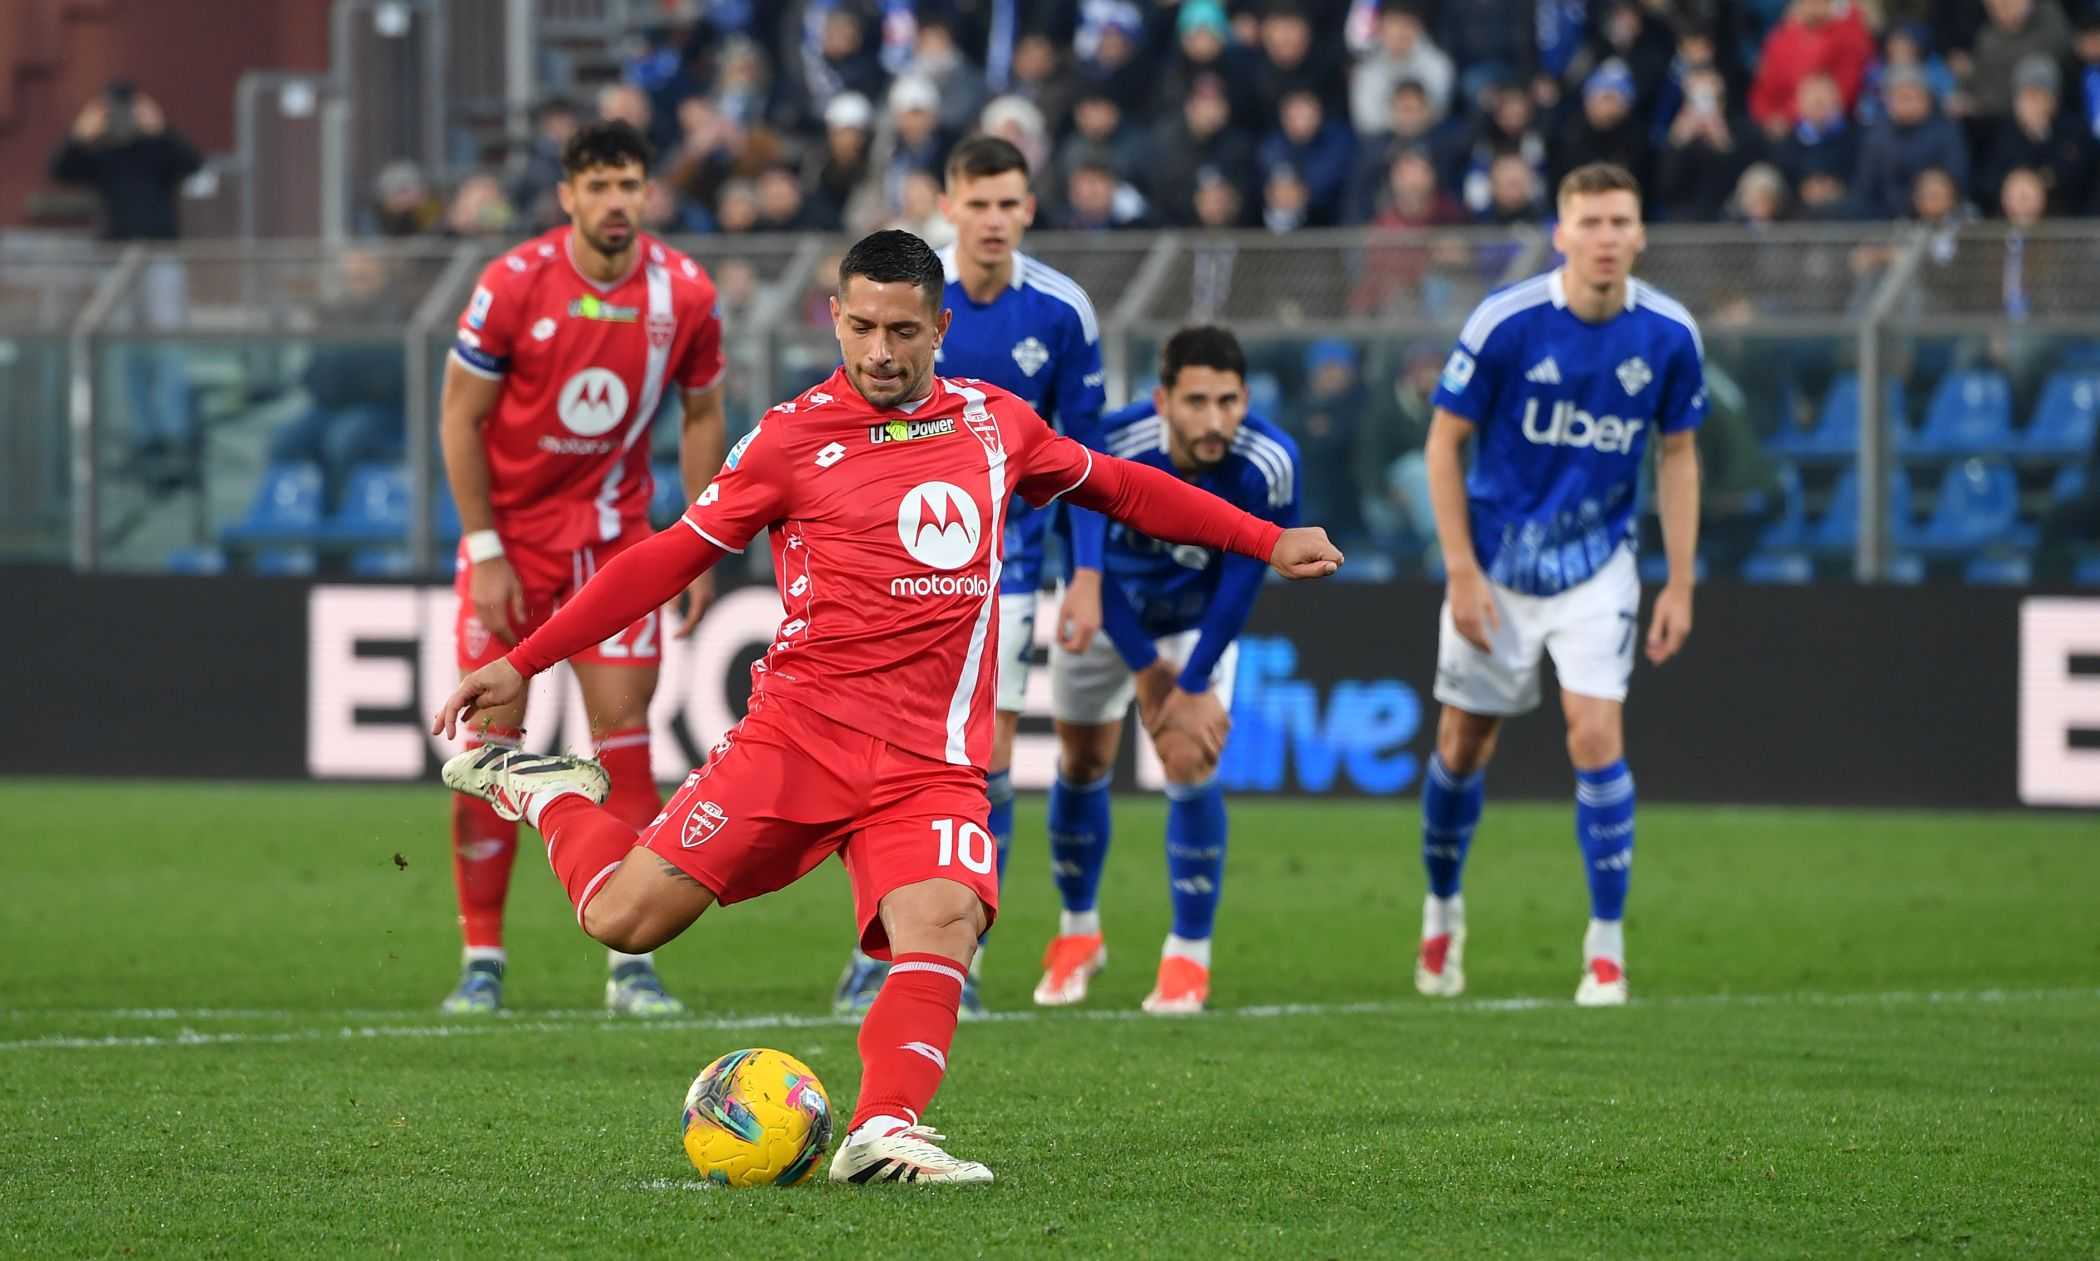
{"type": "Point", "coordinates": [608, 143]}
{"type": "Point", "coordinates": [1201, 346]}
{"type": "Point", "coordinates": [1597, 177]}
{"type": "Point", "coordinates": [891, 255]}
{"type": "Point", "coordinates": [982, 155]}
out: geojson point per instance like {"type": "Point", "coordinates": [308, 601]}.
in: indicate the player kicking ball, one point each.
{"type": "Point", "coordinates": [870, 720]}
{"type": "Point", "coordinates": [1171, 615]}
{"type": "Point", "coordinates": [1563, 377]}
{"type": "Point", "coordinates": [561, 361]}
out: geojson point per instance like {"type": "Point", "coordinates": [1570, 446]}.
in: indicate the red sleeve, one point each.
{"type": "Point", "coordinates": [488, 328]}
{"type": "Point", "coordinates": [1852, 50]}
{"type": "Point", "coordinates": [1772, 92]}
{"type": "Point", "coordinates": [1154, 503]}
{"type": "Point", "coordinates": [748, 495]}
{"type": "Point", "coordinates": [642, 578]}
{"type": "Point", "coordinates": [702, 369]}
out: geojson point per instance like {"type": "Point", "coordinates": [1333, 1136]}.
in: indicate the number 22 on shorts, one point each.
{"type": "Point", "coordinates": [965, 840]}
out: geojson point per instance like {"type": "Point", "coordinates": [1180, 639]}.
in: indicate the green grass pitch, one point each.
{"type": "Point", "coordinates": [1854, 1034]}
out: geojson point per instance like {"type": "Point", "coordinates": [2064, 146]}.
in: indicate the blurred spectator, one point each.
{"type": "Point", "coordinates": [706, 156]}
{"type": "Point", "coordinates": [627, 103]}
{"type": "Point", "coordinates": [1936, 200]}
{"type": "Point", "coordinates": [920, 211]}
{"type": "Point", "coordinates": [1697, 50]}
{"type": "Point", "coordinates": [1913, 137]}
{"type": "Point", "coordinates": [1096, 198]}
{"type": "Point", "coordinates": [839, 181]}
{"type": "Point", "coordinates": [1219, 201]}
{"type": "Point", "coordinates": [1814, 38]}
{"type": "Point", "coordinates": [781, 207]}
{"type": "Point", "coordinates": [665, 215]}
{"type": "Point", "coordinates": [122, 147]}
{"type": "Point", "coordinates": [1821, 140]}
{"type": "Point", "coordinates": [1293, 61]}
{"type": "Point", "coordinates": [479, 208]}
{"type": "Point", "coordinates": [2039, 137]}
{"type": "Point", "coordinates": [1703, 154]}
{"type": "Point", "coordinates": [356, 392]}
{"type": "Point", "coordinates": [1283, 199]}
{"type": "Point", "coordinates": [402, 203]}
{"type": "Point", "coordinates": [1623, 32]}
{"type": "Point", "coordinates": [1514, 192]}
{"type": "Point", "coordinates": [1412, 197]}
{"type": "Point", "coordinates": [1397, 260]}
{"type": "Point", "coordinates": [1111, 34]}
{"type": "Point", "coordinates": [1562, 34]}
{"type": "Point", "coordinates": [554, 120]}
{"type": "Point", "coordinates": [1019, 122]}
{"type": "Point", "coordinates": [1604, 129]}
{"type": "Point", "coordinates": [1404, 54]}
{"type": "Point", "coordinates": [937, 59]}
{"type": "Point", "coordinates": [1508, 126]}
{"type": "Point", "coordinates": [1825, 197]}
{"type": "Point", "coordinates": [1325, 424]}
{"type": "Point", "coordinates": [2085, 44]}
{"type": "Point", "coordinates": [1411, 128]}
{"type": "Point", "coordinates": [2016, 30]}
{"type": "Point", "coordinates": [1099, 126]}
{"type": "Point", "coordinates": [1319, 148]}
{"type": "Point", "coordinates": [744, 84]}
{"type": "Point", "coordinates": [1760, 197]}
{"type": "Point", "coordinates": [839, 59]}
{"type": "Point", "coordinates": [1042, 79]}
{"type": "Point", "coordinates": [1392, 476]}
{"type": "Point", "coordinates": [1908, 45]}
{"type": "Point", "coordinates": [1738, 481]}
{"type": "Point", "coordinates": [736, 207]}
{"type": "Point", "coordinates": [1491, 42]}
{"type": "Point", "coordinates": [1198, 140]}
{"type": "Point", "coordinates": [913, 139]}
{"type": "Point", "coordinates": [1205, 51]}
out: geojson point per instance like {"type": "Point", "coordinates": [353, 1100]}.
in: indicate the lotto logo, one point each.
{"type": "Point", "coordinates": [708, 496]}
{"type": "Point", "coordinates": [830, 455]}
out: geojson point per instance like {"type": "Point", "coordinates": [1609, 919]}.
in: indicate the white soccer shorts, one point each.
{"type": "Point", "coordinates": [1590, 629]}
{"type": "Point", "coordinates": [1095, 687]}
{"type": "Point", "coordinates": [1016, 649]}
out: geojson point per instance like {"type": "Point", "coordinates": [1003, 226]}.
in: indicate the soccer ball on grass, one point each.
{"type": "Point", "coordinates": [756, 1118]}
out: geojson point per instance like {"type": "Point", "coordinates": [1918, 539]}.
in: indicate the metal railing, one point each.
{"type": "Point", "coordinates": [1857, 299]}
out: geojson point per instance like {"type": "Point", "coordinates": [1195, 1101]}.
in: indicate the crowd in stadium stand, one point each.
{"type": "Point", "coordinates": [835, 114]}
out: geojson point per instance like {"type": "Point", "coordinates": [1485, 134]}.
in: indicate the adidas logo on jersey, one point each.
{"type": "Point", "coordinates": [1569, 426]}
{"type": "Point", "coordinates": [1544, 372]}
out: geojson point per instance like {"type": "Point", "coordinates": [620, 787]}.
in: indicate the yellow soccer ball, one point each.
{"type": "Point", "coordinates": [756, 1118]}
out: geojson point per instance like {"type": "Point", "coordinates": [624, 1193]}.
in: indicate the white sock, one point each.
{"type": "Point", "coordinates": [877, 1126]}
{"type": "Point", "coordinates": [614, 958]}
{"type": "Point", "coordinates": [1079, 923]}
{"type": "Point", "coordinates": [1195, 950]}
{"type": "Point", "coordinates": [1606, 939]}
{"type": "Point", "coordinates": [536, 802]}
{"type": "Point", "coordinates": [1442, 915]}
{"type": "Point", "coordinates": [484, 954]}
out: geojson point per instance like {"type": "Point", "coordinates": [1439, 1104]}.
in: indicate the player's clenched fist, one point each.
{"type": "Point", "coordinates": [1305, 552]}
{"type": "Point", "coordinates": [491, 687]}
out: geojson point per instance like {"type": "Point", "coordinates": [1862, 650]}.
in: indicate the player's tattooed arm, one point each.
{"type": "Point", "coordinates": [675, 872]}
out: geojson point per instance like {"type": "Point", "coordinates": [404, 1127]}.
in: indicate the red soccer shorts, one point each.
{"type": "Point", "coordinates": [549, 578]}
{"type": "Point", "coordinates": [788, 787]}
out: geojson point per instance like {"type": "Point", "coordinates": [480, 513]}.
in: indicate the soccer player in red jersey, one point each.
{"type": "Point", "coordinates": [563, 358]}
{"type": "Point", "coordinates": [870, 720]}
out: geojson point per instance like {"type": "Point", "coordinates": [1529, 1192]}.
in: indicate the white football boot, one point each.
{"type": "Point", "coordinates": [507, 778]}
{"type": "Point", "coordinates": [905, 1156]}
{"type": "Point", "coordinates": [1440, 963]}
{"type": "Point", "coordinates": [1603, 985]}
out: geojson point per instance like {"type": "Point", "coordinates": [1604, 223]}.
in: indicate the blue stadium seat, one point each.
{"type": "Point", "coordinates": [444, 517]}
{"type": "Point", "coordinates": [285, 562]}
{"type": "Point", "coordinates": [1906, 569]}
{"type": "Point", "coordinates": [375, 505]}
{"type": "Point", "coordinates": [2069, 484]}
{"type": "Point", "coordinates": [1978, 503]}
{"type": "Point", "coordinates": [200, 561]}
{"type": "Point", "coordinates": [1791, 529]}
{"type": "Point", "coordinates": [1837, 428]}
{"type": "Point", "coordinates": [669, 498]}
{"type": "Point", "coordinates": [1265, 396]}
{"type": "Point", "coordinates": [2065, 418]}
{"type": "Point", "coordinates": [1779, 569]}
{"type": "Point", "coordinates": [2086, 573]}
{"type": "Point", "coordinates": [1837, 530]}
{"type": "Point", "coordinates": [1970, 414]}
{"type": "Point", "coordinates": [1998, 571]}
{"type": "Point", "coordinates": [287, 506]}
{"type": "Point", "coordinates": [382, 562]}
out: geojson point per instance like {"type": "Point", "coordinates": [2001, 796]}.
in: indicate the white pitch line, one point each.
{"type": "Point", "coordinates": [598, 1021]}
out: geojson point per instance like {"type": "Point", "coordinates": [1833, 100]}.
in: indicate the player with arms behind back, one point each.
{"type": "Point", "coordinates": [1028, 329]}
{"type": "Point", "coordinates": [564, 356]}
{"type": "Point", "coordinates": [884, 490]}
{"type": "Point", "coordinates": [1172, 616]}
{"type": "Point", "coordinates": [1564, 379]}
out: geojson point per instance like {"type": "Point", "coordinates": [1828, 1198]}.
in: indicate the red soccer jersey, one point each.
{"type": "Point", "coordinates": [585, 368]}
{"type": "Point", "coordinates": [886, 530]}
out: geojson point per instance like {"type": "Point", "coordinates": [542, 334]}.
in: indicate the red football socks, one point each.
{"type": "Point", "coordinates": [585, 843]}
{"type": "Point", "coordinates": [905, 1036]}
{"type": "Point", "coordinates": [483, 848]}
{"type": "Point", "coordinates": [625, 756]}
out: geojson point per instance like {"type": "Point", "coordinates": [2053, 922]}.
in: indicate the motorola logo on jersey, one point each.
{"type": "Point", "coordinates": [1569, 426]}
{"type": "Point", "coordinates": [939, 525]}
{"type": "Point", "coordinates": [594, 401]}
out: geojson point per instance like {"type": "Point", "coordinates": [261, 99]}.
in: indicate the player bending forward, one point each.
{"type": "Point", "coordinates": [871, 714]}
{"type": "Point", "coordinates": [1564, 377]}
{"type": "Point", "coordinates": [1173, 614]}
{"type": "Point", "coordinates": [562, 359]}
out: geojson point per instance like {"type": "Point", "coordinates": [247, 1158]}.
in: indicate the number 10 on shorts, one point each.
{"type": "Point", "coordinates": [965, 840]}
